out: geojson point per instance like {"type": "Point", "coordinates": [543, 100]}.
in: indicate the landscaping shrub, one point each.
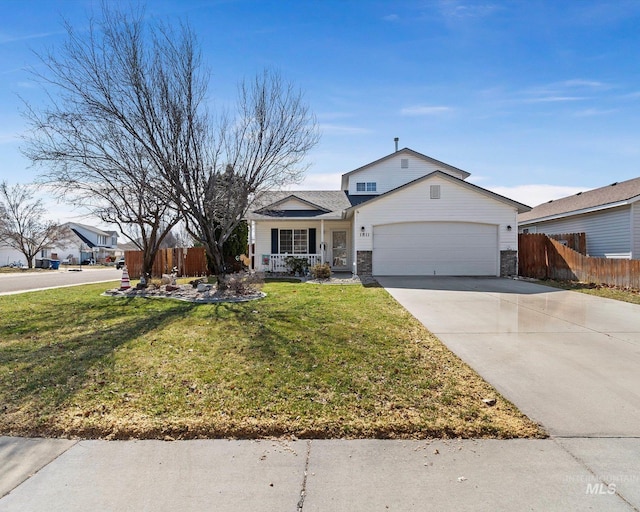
{"type": "Point", "coordinates": [241, 283]}
{"type": "Point", "coordinates": [321, 271]}
{"type": "Point", "coordinates": [297, 266]}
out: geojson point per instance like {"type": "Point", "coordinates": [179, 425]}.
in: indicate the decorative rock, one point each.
{"type": "Point", "coordinates": [171, 288]}
{"type": "Point", "coordinates": [203, 287]}
{"type": "Point", "coordinates": [489, 401]}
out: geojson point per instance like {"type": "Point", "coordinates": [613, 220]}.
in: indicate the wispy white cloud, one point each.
{"type": "Point", "coordinates": [326, 116]}
{"type": "Point", "coordinates": [391, 17]}
{"type": "Point", "coordinates": [458, 9]}
{"type": "Point", "coordinates": [592, 112]}
{"type": "Point", "coordinates": [335, 129]}
{"type": "Point", "coordinates": [533, 195]}
{"type": "Point", "coordinates": [8, 38]}
{"type": "Point", "coordinates": [424, 110]}
{"type": "Point", "coordinates": [554, 99]}
{"type": "Point", "coordinates": [319, 181]}
{"type": "Point", "coordinates": [576, 89]}
{"type": "Point", "coordinates": [7, 138]}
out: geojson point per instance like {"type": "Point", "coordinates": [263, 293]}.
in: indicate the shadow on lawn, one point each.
{"type": "Point", "coordinates": [42, 374]}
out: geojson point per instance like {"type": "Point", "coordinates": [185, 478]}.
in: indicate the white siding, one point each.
{"type": "Point", "coordinates": [263, 234]}
{"type": "Point", "coordinates": [389, 175]}
{"type": "Point", "coordinates": [9, 255]}
{"type": "Point", "coordinates": [635, 230]}
{"type": "Point", "coordinates": [457, 204]}
{"type": "Point", "coordinates": [608, 231]}
{"type": "Point", "coordinates": [294, 204]}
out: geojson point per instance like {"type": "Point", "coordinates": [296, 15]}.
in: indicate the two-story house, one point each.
{"type": "Point", "coordinates": [404, 214]}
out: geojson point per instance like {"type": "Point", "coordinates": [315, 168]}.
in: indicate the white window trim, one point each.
{"type": "Point", "coordinates": [293, 240]}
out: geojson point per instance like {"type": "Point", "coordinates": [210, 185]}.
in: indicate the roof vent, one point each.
{"type": "Point", "coordinates": [579, 194]}
{"type": "Point", "coordinates": [550, 201]}
{"type": "Point", "coordinates": [614, 184]}
{"type": "Point", "coordinates": [396, 140]}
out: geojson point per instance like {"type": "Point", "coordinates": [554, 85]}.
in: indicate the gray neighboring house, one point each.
{"type": "Point", "coordinates": [610, 217]}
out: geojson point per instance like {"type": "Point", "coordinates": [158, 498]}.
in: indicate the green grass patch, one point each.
{"type": "Point", "coordinates": [608, 292]}
{"type": "Point", "coordinates": [308, 360]}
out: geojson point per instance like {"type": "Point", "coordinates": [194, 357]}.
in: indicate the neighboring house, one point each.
{"type": "Point", "coordinates": [610, 217]}
{"type": "Point", "coordinates": [404, 214]}
{"type": "Point", "coordinates": [83, 243]}
{"type": "Point", "coordinates": [9, 256]}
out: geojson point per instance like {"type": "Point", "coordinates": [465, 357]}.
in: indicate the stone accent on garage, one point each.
{"type": "Point", "coordinates": [508, 263]}
{"type": "Point", "coordinates": [364, 263]}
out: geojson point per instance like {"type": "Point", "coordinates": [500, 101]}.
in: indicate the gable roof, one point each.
{"type": "Point", "coordinates": [615, 194]}
{"type": "Point", "coordinates": [519, 206]}
{"type": "Point", "coordinates": [92, 229]}
{"type": "Point", "coordinates": [328, 204]}
{"type": "Point", "coordinates": [272, 206]}
{"type": "Point", "coordinates": [396, 153]}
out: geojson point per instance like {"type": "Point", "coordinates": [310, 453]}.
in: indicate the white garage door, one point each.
{"type": "Point", "coordinates": [435, 248]}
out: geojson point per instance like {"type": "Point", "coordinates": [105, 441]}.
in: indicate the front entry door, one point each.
{"type": "Point", "coordinates": [339, 250]}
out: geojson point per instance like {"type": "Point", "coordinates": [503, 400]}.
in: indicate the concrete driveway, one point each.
{"type": "Point", "coordinates": [569, 361]}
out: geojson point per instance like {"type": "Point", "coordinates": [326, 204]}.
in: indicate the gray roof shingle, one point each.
{"type": "Point", "coordinates": [613, 193]}
{"type": "Point", "coordinates": [331, 204]}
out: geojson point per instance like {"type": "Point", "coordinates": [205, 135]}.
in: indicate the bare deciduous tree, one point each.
{"type": "Point", "coordinates": [120, 103]}
{"type": "Point", "coordinates": [22, 226]}
{"type": "Point", "coordinates": [128, 136]}
{"type": "Point", "coordinates": [261, 147]}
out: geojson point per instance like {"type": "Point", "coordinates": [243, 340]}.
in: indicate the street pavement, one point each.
{"type": "Point", "coordinates": [565, 360]}
{"type": "Point", "coordinates": [21, 282]}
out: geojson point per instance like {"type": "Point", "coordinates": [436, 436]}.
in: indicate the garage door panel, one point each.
{"type": "Point", "coordinates": [440, 248]}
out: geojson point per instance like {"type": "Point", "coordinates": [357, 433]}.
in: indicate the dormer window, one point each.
{"type": "Point", "coordinates": [369, 186]}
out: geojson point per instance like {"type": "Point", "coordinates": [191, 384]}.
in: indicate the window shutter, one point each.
{"type": "Point", "coordinates": [274, 240]}
{"type": "Point", "coordinates": [312, 240]}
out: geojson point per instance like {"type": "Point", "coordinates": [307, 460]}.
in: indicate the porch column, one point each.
{"type": "Point", "coordinates": [322, 248]}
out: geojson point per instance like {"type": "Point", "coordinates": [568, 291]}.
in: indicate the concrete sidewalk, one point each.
{"type": "Point", "coordinates": [317, 475]}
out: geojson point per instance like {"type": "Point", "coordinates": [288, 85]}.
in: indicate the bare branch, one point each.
{"type": "Point", "coordinates": [22, 226]}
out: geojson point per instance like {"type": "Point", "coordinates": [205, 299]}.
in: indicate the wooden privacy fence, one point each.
{"type": "Point", "coordinates": [542, 257]}
{"type": "Point", "coordinates": [575, 241]}
{"type": "Point", "coordinates": [189, 262]}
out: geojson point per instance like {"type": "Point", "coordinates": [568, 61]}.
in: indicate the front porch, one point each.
{"type": "Point", "coordinates": [278, 262]}
{"type": "Point", "coordinates": [272, 243]}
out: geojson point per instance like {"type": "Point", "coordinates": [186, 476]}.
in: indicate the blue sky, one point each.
{"type": "Point", "coordinates": [536, 99]}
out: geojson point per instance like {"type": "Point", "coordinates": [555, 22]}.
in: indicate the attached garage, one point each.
{"type": "Point", "coordinates": [436, 248]}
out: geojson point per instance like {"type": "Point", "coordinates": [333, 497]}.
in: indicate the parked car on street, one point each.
{"type": "Point", "coordinates": [120, 263]}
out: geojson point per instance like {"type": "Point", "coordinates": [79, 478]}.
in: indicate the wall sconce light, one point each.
{"type": "Point", "coordinates": [509, 227]}
{"type": "Point", "coordinates": [361, 228]}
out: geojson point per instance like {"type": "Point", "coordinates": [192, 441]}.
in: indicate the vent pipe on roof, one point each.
{"type": "Point", "coordinates": [396, 139]}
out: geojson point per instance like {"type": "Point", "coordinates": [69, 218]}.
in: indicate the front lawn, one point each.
{"type": "Point", "coordinates": [308, 360]}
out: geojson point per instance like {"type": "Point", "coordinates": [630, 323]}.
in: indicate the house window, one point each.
{"type": "Point", "coordinates": [434, 192]}
{"type": "Point", "coordinates": [369, 186]}
{"type": "Point", "coordinates": [102, 240]}
{"type": "Point", "coordinates": [294, 241]}
{"type": "Point", "coordinates": [404, 163]}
